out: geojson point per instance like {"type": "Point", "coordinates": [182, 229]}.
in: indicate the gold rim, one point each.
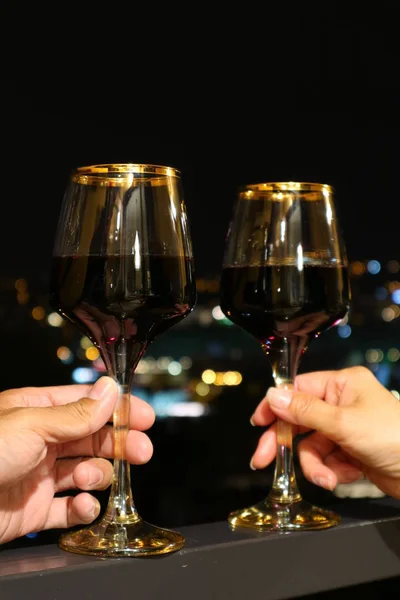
{"type": "Point", "coordinates": [124, 174]}
{"type": "Point", "coordinates": [127, 168]}
{"type": "Point", "coordinates": [287, 186]}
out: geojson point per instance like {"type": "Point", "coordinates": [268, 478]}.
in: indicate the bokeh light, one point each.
{"type": "Point", "coordinates": [174, 368]}
{"type": "Point", "coordinates": [374, 355]}
{"type": "Point", "coordinates": [209, 376]}
{"type": "Point", "coordinates": [38, 313]}
{"type": "Point", "coordinates": [92, 353]}
{"type": "Point", "coordinates": [55, 320]}
{"type": "Point", "coordinates": [202, 389]}
{"type": "Point", "coordinates": [374, 267]}
{"type": "Point", "coordinates": [393, 355]}
{"type": "Point", "coordinates": [357, 268]}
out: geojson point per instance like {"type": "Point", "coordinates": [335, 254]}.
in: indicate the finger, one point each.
{"type": "Point", "coordinates": [312, 452]}
{"type": "Point", "coordinates": [69, 511]}
{"type": "Point", "coordinates": [314, 383]}
{"type": "Point", "coordinates": [139, 448]}
{"type": "Point", "coordinates": [344, 470]}
{"type": "Point", "coordinates": [142, 415]}
{"type": "Point", "coordinates": [44, 396]}
{"type": "Point", "coordinates": [74, 420]}
{"type": "Point", "coordinates": [330, 384]}
{"type": "Point", "coordinates": [266, 449]}
{"type": "Point", "coordinates": [263, 414]}
{"type": "Point", "coordinates": [82, 473]}
{"type": "Point", "coordinates": [308, 411]}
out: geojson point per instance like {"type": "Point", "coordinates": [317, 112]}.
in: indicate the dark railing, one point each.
{"type": "Point", "coordinates": [220, 564]}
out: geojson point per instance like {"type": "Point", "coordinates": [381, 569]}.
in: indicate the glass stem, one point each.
{"type": "Point", "coordinates": [120, 507]}
{"type": "Point", "coordinates": [284, 368]}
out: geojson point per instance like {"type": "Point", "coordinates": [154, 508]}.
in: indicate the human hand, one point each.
{"type": "Point", "coordinates": [356, 422]}
{"type": "Point", "coordinates": [54, 439]}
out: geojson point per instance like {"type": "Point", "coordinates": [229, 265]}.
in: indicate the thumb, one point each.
{"type": "Point", "coordinates": [79, 419]}
{"type": "Point", "coordinates": [307, 410]}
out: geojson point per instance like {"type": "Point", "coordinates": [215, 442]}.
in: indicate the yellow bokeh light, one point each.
{"type": "Point", "coordinates": [219, 379]}
{"type": "Point", "coordinates": [21, 285]}
{"type": "Point", "coordinates": [239, 378]}
{"type": "Point", "coordinates": [209, 376]}
{"type": "Point", "coordinates": [202, 389]}
{"type": "Point", "coordinates": [229, 378]}
{"type": "Point", "coordinates": [92, 353]}
{"type": "Point", "coordinates": [38, 313]}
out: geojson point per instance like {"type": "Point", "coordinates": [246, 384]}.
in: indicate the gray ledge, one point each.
{"type": "Point", "coordinates": [219, 563]}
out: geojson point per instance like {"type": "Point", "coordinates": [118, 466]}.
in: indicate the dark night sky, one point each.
{"type": "Point", "coordinates": [335, 121]}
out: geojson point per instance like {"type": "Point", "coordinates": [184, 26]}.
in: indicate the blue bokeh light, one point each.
{"type": "Point", "coordinates": [344, 331]}
{"type": "Point", "coordinates": [374, 267]}
{"type": "Point", "coordinates": [84, 375]}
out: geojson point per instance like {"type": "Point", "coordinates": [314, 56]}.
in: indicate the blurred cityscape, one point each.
{"type": "Point", "coordinates": [204, 379]}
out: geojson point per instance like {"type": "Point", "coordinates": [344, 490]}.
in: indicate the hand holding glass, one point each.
{"type": "Point", "coordinates": [284, 281]}
{"type": "Point", "coordinates": [122, 275]}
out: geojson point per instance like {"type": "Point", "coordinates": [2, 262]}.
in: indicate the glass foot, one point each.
{"type": "Point", "coordinates": [138, 538]}
{"type": "Point", "coordinates": [273, 516]}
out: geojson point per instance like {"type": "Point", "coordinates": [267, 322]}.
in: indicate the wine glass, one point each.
{"type": "Point", "coordinates": [122, 275]}
{"type": "Point", "coordinates": [284, 281]}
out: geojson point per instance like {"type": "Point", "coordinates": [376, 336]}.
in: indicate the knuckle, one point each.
{"type": "Point", "coordinates": [302, 405]}
{"type": "Point", "coordinates": [81, 411]}
{"type": "Point", "coordinates": [361, 372]}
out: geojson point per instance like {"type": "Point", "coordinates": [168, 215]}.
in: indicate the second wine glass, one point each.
{"type": "Point", "coordinates": [123, 274]}
{"type": "Point", "coordinates": [284, 281]}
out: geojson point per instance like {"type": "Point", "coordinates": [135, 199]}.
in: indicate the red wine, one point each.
{"type": "Point", "coordinates": [276, 302]}
{"type": "Point", "coordinates": [122, 303]}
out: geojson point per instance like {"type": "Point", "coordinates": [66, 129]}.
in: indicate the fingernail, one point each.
{"type": "Point", "coordinates": [278, 397]}
{"type": "Point", "coordinates": [95, 509]}
{"type": "Point", "coordinates": [252, 467]}
{"type": "Point", "coordinates": [101, 388]}
{"type": "Point", "coordinates": [96, 476]}
{"type": "Point", "coordinates": [252, 421]}
{"type": "Point", "coordinates": [323, 482]}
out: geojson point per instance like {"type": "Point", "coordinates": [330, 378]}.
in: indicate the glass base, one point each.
{"type": "Point", "coordinates": [273, 516]}
{"type": "Point", "coordinates": [122, 539]}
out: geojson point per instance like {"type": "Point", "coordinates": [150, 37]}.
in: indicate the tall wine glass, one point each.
{"type": "Point", "coordinates": [122, 275]}
{"type": "Point", "coordinates": [284, 281]}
